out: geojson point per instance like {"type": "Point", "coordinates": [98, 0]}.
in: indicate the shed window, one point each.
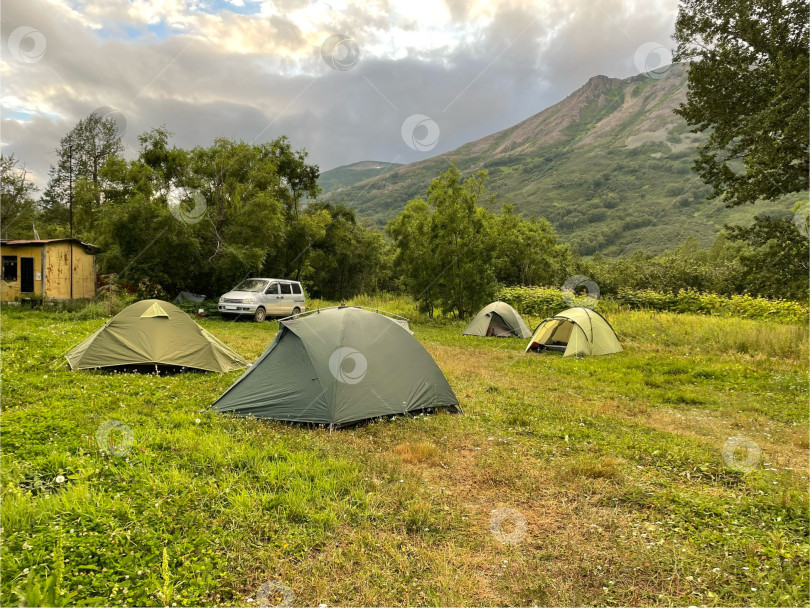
{"type": "Point", "coordinates": [9, 268]}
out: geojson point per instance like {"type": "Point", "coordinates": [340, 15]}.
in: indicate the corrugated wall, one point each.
{"type": "Point", "coordinates": [57, 272]}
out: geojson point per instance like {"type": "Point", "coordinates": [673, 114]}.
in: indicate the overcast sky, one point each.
{"type": "Point", "coordinates": [389, 81]}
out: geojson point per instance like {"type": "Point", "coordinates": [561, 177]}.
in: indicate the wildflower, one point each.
{"type": "Point", "coordinates": [197, 421]}
{"type": "Point", "coordinates": [25, 571]}
{"type": "Point", "coordinates": [60, 479]}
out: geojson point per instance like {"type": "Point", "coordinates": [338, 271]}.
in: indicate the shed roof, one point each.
{"type": "Point", "coordinates": [34, 242]}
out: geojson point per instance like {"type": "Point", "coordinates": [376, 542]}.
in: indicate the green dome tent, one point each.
{"type": "Point", "coordinates": [498, 319]}
{"type": "Point", "coordinates": [338, 366]}
{"type": "Point", "coordinates": [154, 332]}
{"type": "Point", "coordinates": [577, 331]}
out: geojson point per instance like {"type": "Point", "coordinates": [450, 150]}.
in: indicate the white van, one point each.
{"type": "Point", "coordinates": [260, 298]}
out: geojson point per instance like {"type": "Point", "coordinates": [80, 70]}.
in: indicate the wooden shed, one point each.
{"type": "Point", "coordinates": [52, 269]}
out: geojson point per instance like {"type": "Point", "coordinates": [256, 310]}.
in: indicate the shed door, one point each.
{"type": "Point", "coordinates": [26, 275]}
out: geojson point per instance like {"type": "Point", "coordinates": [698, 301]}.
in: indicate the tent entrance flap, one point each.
{"type": "Point", "coordinates": [554, 335]}
{"type": "Point", "coordinates": [497, 327]}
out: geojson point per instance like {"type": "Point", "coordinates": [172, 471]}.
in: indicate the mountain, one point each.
{"type": "Point", "coordinates": [609, 166]}
{"type": "Point", "coordinates": [348, 175]}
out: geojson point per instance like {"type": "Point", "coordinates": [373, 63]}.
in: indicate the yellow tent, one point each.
{"type": "Point", "coordinates": [576, 332]}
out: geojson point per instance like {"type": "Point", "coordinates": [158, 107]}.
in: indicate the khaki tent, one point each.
{"type": "Point", "coordinates": [153, 332]}
{"type": "Point", "coordinates": [338, 366]}
{"type": "Point", "coordinates": [578, 332]}
{"type": "Point", "coordinates": [498, 319]}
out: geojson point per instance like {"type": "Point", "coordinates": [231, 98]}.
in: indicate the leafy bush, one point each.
{"type": "Point", "coordinates": [690, 301]}
{"type": "Point", "coordinates": [546, 301]}
{"type": "Point", "coordinates": [540, 301]}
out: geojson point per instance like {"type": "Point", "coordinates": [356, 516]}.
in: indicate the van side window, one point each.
{"type": "Point", "coordinates": [296, 288]}
{"type": "Point", "coordinates": [272, 289]}
{"type": "Point", "coordinates": [285, 288]}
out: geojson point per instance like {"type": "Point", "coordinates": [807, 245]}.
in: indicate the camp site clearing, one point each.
{"type": "Point", "coordinates": [672, 472]}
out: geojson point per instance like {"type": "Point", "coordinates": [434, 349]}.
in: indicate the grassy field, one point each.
{"type": "Point", "coordinates": [594, 481]}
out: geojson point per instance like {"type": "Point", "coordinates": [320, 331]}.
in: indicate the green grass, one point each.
{"type": "Point", "coordinates": [614, 462]}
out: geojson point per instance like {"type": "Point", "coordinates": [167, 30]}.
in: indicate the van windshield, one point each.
{"type": "Point", "coordinates": [251, 285]}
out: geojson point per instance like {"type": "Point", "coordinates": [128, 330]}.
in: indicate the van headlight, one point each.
{"type": "Point", "coordinates": [221, 299]}
{"type": "Point", "coordinates": [248, 300]}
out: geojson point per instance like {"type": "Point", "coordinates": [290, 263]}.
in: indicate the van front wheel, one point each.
{"type": "Point", "coordinates": [259, 315]}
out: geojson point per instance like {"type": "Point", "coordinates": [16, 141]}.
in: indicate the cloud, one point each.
{"type": "Point", "coordinates": [204, 69]}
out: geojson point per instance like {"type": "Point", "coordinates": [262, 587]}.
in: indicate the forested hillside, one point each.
{"type": "Point", "coordinates": [609, 167]}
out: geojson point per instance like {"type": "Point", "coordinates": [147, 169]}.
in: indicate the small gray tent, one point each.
{"type": "Point", "coordinates": [338, 366]}
{"type": "Point", "coordinates": [498, 319]}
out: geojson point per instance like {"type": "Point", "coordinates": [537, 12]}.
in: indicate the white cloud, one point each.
{"type": "Point", "coordinates": [206, 74]}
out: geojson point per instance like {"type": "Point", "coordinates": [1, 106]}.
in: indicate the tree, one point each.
{"type": "Point", "coordinates": [81, 155]}
{"type": "Point", "coordinates": [748, 87]}
{"type": "Point", "coordinates": [776, 259]}
{"type": "Point", "coordinates": [242, 191]}
{"type": "Point", "coordinates": [300, 178]}
{"type": "Point", "coordinates": [17, 212]}
{"type": "Point", "coordinates": [141, 242]}
{"type": "Point", "coordinates": [204, 219]}
{"type": "Point", "coordinates": [526, 251]}
{"type": "Point", "coordinates": [349, 259]}
{"type": "Point", "coordinates": [414, 262]}
{"type": "Point", "coordinates": [444, 247]}
{"type": "Point", "coordinates": [460, 239]}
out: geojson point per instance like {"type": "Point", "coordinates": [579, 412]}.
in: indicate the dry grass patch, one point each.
{"type": "Point", "coordinates": [802, 441]}
{"type": "Point", "coordinates": [587, 466]}
{"type": "Point", "coordinates": [417, 452]}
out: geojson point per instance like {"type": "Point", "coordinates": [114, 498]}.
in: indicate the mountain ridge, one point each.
{"type": "Point", "coordinates": [609, 166]}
